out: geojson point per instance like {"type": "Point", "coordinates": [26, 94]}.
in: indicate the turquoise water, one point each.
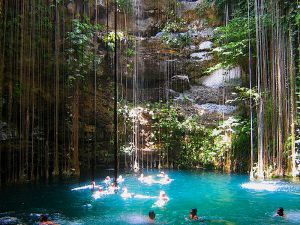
{"type": "Point", "coordinates": [219, 198]}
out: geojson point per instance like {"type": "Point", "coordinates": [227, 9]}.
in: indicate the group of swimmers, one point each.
{"type": "Point", "coordinates": [193, 215]}
{"type": "Point", "coordinates": [165, 179]}
{"type": "Point", "coordinates": [112, 188]}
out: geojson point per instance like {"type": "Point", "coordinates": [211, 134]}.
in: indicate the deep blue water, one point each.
{"type": "Point", "coordinates": [219, 198]}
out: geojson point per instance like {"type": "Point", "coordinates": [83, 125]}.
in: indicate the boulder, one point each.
{"type": "Point", "coordinates": [201, 56]}
{"type": "Point", "coordinates": [206, 45]}
{"type": "Point", "coordinates": [223, 77]}
{"type": "Point", "coordinates": [180, 83]}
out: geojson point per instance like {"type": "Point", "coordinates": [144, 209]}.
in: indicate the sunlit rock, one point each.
{"type": "Point", "coordinates": [206, 45]}
{"type": "Point", "coordinates": [202, 56]}
{"type": "Point", "coordinates": [214, 108]}
{"type": "Point", "coordinates": [222, 77]}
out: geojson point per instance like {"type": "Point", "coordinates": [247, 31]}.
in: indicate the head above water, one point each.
{"type": "Point", "coordinates": [193, 212]}
{"type": "Point", "coordinates": [44, 218]}
{"type": "Point", "coordinates": [280, 211]}
{"type": "Point", "coordinates": [162, 193]}
{"type": "Point", "coordinates": [152, 215]}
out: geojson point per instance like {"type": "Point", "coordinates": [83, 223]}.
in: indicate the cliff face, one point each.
{"type": "Point", "coordinates": [170, 52]}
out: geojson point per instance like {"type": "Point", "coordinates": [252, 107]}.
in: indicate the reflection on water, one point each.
{"type": "Point", "coordinates": [271, 186]}
{"type": "Point", "coordinates": [219, 198]}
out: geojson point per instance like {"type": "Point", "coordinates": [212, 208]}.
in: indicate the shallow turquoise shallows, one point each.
{"type": "Point", "coordinates": [219, 198]}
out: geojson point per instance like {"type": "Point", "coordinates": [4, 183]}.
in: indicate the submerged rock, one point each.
{"type": "Point", "coordinates": [7, 220]}
{"type": "Point", "coordinates": [180, 83]}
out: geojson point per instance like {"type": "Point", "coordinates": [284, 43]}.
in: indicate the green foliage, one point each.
{"type": "Point", "coordinates": [177, 40]}
{"type": "Point", "coordinates": [80, 52]}
{"type": "Point", "coordinates": [111, 38]}
{"type": "Point", "coordinates": [188, 143]}
{"type": "Point", "coordinates": [235, 134]}
{"type": "Point", "coordinates": [125, 6]}
{"type": "Point", "coordinates": [232, 42]}
{"type": "Point", "coordinates": [245, 95]}
{"type": "Point", "coordinates": [202, 8]}
{"type": "Point", "coordinates": [173, 26]}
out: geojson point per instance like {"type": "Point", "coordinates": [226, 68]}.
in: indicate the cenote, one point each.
{"type": "Point", "coordinates": [207, 91]}
{"type": "Point", "coordinates": [220, 199]}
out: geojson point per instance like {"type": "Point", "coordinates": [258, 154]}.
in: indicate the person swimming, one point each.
{"type": "Point", "coordinates": [163, 196]}
{"type": "Point", "coordinates": [100, 189]}
{"type": "Point", "coordinates": [107, 180]}
{"type": "Point", "coordinates": [280, 212]}
{"type": "Point", "coordinates": [126, 194]}
{"type": "Point", "coordinates": [151, 216]}
{"type": "Point", "coordinates": [120, 179]}
{"type": "Point", "coordinates": [45, 221]}
{"type": "Point", "coordinates": [193, 214]}
{"type": "Point", "coordinates": [162, 174]}
{"type": "Point", "coordinates": [162, 200]}
{"type": "Point", "coordinates": [93, 184]}
{"type": "Point", "coordinates": [141, 178]}
{"type": "Point", "coordinates": [99, 193]}
{"type": "Point", "coordinates": [113, 188]}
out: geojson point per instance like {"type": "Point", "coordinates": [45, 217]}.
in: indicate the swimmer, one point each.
{"type": "Point", "coordinates": [44, 220]}
{"type": "Point", "coordinates": [107, 180]}
{"type": "Point", "coordinates": [100, 189]}
{"type": "Point", "coordinates": [162, 200]}
{"type": "Point", "coordinates": [125, 193]}
{"type": "Point", "coordinates": [193, 214]}
{"type": "Point", "coordinates": [165, 180]}
{"type": "Point", "coordinates": [163, 196]}
{"type": "Point", "coordinates": [162, 174]}
{"type": "Point", "coordinates": [120, 179]}
{"type": "Point", "coordinates": [151, 216]}
{"type": "Point", "coordinates": [280, 212]}
{"type": "Point", "coordinates": [141, 178]}
{"type": "Point", "coordinates": [148, 180]}
{"type": "Point", "coordinates": [113, 188]}
{"type": "Point", "coordinates": [99, 193]}
{"type": "Point", "coordinates": [93, 184]}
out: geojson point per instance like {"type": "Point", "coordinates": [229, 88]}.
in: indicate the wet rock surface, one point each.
{"type": "Point", "coordinates": [201, 56]}
{"type": "Point", "coordinates": [222, 77]}
{"type": "Point", "coordinates": [180, 83]}
{"type": "Point", "coordinates": [180, 73]}
{"type": "Point", "coordinates": [7, 220]}
{"type": "Point", "coordinates": [6, 132]}
{"type": "Point", "coordinates": [214, 108]}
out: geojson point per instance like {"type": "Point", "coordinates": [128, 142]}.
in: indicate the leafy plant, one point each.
{"type": "Point", "coordinates": [125, 6]}
{"type": "Point", "coordinates": [80, 51]}
{"type": "Point", "coordinates": [177, 40]}
{"type": "Point", "coordinates": [232, 41]}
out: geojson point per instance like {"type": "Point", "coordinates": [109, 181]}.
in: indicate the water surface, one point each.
{"type": "Point", "coordinates": [219, 198]}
